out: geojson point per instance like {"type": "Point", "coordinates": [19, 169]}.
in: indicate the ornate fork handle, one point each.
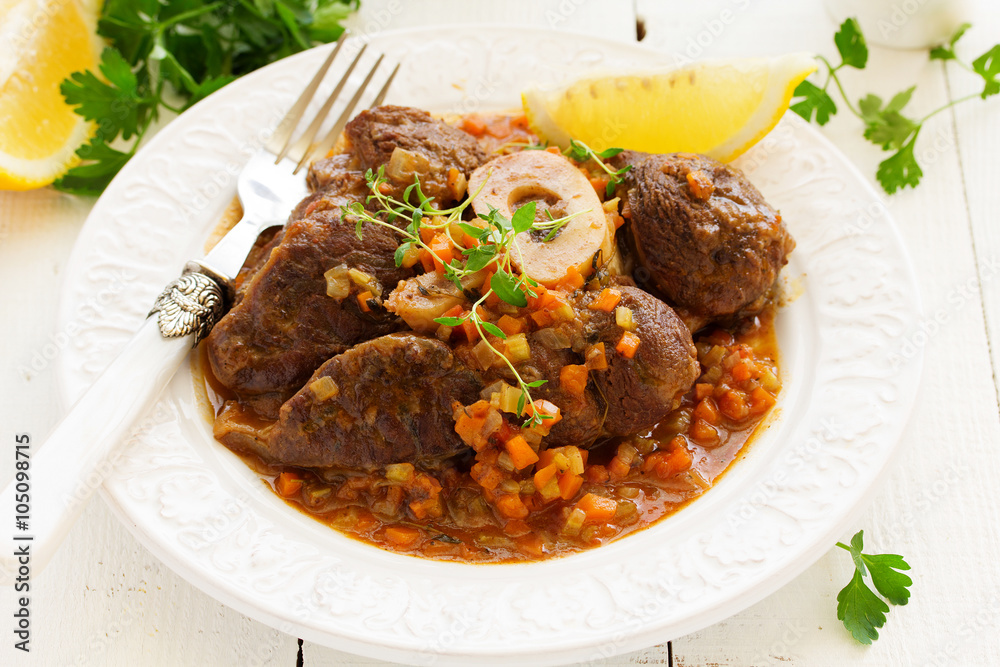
{"type": "Point", "coordinates": [192, 303]}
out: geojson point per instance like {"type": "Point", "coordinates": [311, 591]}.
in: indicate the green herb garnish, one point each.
{"type": "Point", "coordinates": [861, 610]}
{"type": "Point", "coordinates": [497, 248]}
{"type": "Point", "coordinates": [169, 54]}
{"type": "Point", "coordinates": [581, 152]}
{"type": "Point", "coordinates": [885, 124]}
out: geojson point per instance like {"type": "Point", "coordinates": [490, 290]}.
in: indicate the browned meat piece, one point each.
{"type": "Point", "coordinates": [711, 243]}
{"type": "Point", "coordinates": [384, 401]}
{"type": "Point", "coordinates": [423, 146]}
{"type": "Point", "coordinates": [582, 416]}
{"type": "Point", "coordinates": [641, 391]}
{"type": "Point", "coordinates": [286, 325]}
{"type": "Point", "coordinates": [334, 181]}
{"type": "Point", "coordinates": [338, 175]}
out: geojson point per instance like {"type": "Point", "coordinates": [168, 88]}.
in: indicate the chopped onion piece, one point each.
{"type": "Point", "coordinates": [324, 388]}
{"type": "Point", "coordinates": [623, 318]}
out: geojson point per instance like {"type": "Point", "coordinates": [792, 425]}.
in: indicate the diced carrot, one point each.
{"type": "Point", "coordinates": [474, 125]}
{"type": "Point", "coordinates": [470, 331]}
{"type": "Point", "coordinates": [542, 318]}
{"type": "Point", "coordinates": [618, 469]}
{"type": "Point", "coordinates": [573, 280]}
{"type": "Point", "coordinates": [606, 301]}
{"type": "Point", "coordinates": [702, 390]}
{"type": "Point", "coordinates": [427, 234]}
{"type": "Point", "coordinates": [677, 461]}
{"type": "Point", "coordinates": [703, 432]}
{"type": "Point", "coordinates": [404, 536]}
{"type": "Point", "coordinates": [600, 184]}
{"type": "Point", "coordinates": [573, 379]}
{"type": "Point", "coordinates": [597, 508]}
{"type": "Point", "coordinates": [517, 527]}
{"type": "Point", "coordinates": [520, 122]}
{"type": "Point", "coordinates": [597, 474]}
{"type": "Point", "coordinates": [531, 544]}
{"type": "Point", "coordinates": [544, 474]}
{"type": "Point", "coordinates": [486, 475]}
{"type": "Point", "coordinates": [427, 261]}
{"type": "Point", "coordinates": [628, 344]}
{"type": "Point", "coordinates": [363, 298]}
{"type": "Point", "coordinates": [288, 484]}
{"type": "Point", "coordinates": [510, 325]}
{"type": "Point", "coordinates": [521, 453]}
{"type": "Point", "coordinates": [441, 252]}
{"type": "Point", "coordinates": [569, 484]}
{"type": "Point", "coordinates": [760, 400]}
{"type": "Point", "coordinates": [365, 522]}
{"type": "Point", "coordinates": [469, 429]}
{"type": "Point", "coordinates": [707, 410]}
{"type": "Point", "coordinates": [554, 150]}
{"type": "Point", "coordinates": [545, 457]}
{"type": "Point", "coordinates": [510, 506]}
{"type": "Point", "coordinates": [454, 311]}
{"type": "Point", "coordinates": [541, 297]}
{"type": "Point", "coordinates": [733, 405]}
{"type": "Point", "coordinates": [428, 507]}
{"type": "Point", "coordinates": [742, 372]}
{"type": "Point", "coordinates": [479, 408]}
{"type": "Point", "coordinates": [597, 359]}
{"type": "Point", "coordinates": [560, 307]}
{"type": "Point", "coordinates": [549, 412]}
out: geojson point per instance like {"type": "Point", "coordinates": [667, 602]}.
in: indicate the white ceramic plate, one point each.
{"type": "Point", "coordinates": [848, 393]}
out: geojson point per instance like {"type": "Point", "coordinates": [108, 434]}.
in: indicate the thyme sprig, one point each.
{"type": "Point", "coordinates": [495, 249]}
{"type": "Point", "coordinates": [581, 152]}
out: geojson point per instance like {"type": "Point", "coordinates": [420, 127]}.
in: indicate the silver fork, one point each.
{"type": "Point", "coordinates": [269, 185]}
{"type": "Point", "coordinates": [83, 448]}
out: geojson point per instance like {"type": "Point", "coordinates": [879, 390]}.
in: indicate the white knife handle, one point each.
{"type": "Point", "coordinates": [72, 463]}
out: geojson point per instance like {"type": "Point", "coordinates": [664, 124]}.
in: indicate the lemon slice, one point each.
{"type": "Point", "coordinates": [719, 108]}
{"type": "Point", "coordinates": [44, 42]}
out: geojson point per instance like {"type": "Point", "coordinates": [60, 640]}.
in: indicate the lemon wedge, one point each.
{"type": "Point", "coordinates": [44, 42]}
{"type": "Point", "coordinates": [718, 108]}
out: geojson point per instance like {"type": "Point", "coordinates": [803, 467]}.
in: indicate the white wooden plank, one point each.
{"type": "Point", "coordinates": [104, 599]}
{"type": "Point", "coordinates": [979, 150]}
{"type": "Point", "coordinates": [931, 510]}
{"type": "Point", "coordinates": [614, 19]}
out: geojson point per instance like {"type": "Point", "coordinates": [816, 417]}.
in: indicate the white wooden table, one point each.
{"type": "Point", "coordinates": [105, 600]}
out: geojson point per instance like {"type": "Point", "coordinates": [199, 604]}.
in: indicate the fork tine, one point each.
{"type": "Point", "coordinates": [302, 144]}
{"type": "Point", "coordinates": [280, 139]}
{"type": "Point", "coordinates": [324, 146]}
{"type": "Point", "coordinates": [385, 87]}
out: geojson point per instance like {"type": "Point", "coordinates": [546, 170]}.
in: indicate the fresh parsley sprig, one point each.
{"type": "Point", "coordinates": [885, 124]}
{"type": "Point", "coordinates": [581, 152]}
{"type": "Point", "coordinates": [496, 245]}
{"type": "Point", "coordinates": [169, 54]}
{"type": "Point", "coordinates": [861, 610]}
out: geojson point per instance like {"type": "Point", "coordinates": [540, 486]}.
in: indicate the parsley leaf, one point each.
{"type": "Point", "coordinates": [988, 67]}
{"type": "Point", "coordinates": [860, 609]}
{"type": "Point", "coordinates": [814, 100]}
{"type": "Point", "coordinates": [900, 170]}
{"type": "Point", "coordinates": [90, 178]}
{"type": "Point", "coordinates": [851, 44]}
{"type": "Point", "coordinates": [114, 105]}
{"type": "Point", "coordinates": [162, 51]}
{"type": "Point", "coordinates": [887, 127]}
{"type": "Point", "coordinates": [947, 52]}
